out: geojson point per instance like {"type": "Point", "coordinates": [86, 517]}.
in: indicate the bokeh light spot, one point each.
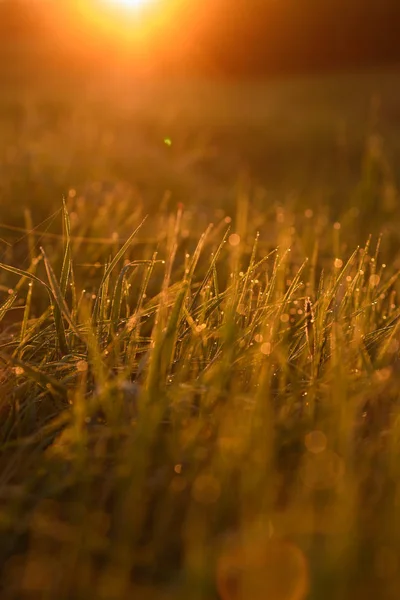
{"type": "Point", "coordinates": [266, 348]}
{"type": "Point", "coordinates": [316, 442]}
{"type": "Point", "coordinates": [82, 366]}
{"type": "Point", "coordinates": [374, 280]}
{"type": "Point", "coordinates": [234, 239]}
{"type": "Point", "coordinates": [206, 489]}
{"type": "Point", "coordinates": [323, 470]}
{"type": "Point", "coordinates": [338, 264]}
{"type": "Point", "coordinates": [263, 568]}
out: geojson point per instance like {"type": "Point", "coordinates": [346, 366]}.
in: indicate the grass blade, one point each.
{"type": "Point", "coordinates": [111, 267]}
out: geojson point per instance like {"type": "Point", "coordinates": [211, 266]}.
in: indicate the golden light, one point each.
{"type": "Point", "coordinates": [126, 18]}
{"type": "Point", "coordinates": [110, 31]}
{"type": "Point", "coordinates": [135, 33]}
{"type": "Point", "coordinates": [130, 5]}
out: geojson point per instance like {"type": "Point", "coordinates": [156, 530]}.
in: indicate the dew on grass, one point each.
{"type": "Point", "coordinates": [338, 263]}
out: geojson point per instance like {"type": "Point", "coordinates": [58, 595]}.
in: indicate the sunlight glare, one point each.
{"type": "Point", "coordinates": [124, 20]}
{"type": "Point", "coordinates": [130, 5]}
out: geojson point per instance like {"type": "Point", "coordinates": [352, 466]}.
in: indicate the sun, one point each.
{"type": "Point", "coordinates": [121, 19]}
{"type": "Point", "coordinates": [129, 4]}
{"type": "Point", "coordinates": [120, 29]}
{"type": "Point", "coordinates": [129, 11]}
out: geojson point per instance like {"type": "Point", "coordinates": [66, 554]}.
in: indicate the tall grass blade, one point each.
{"type": "Point", "coordinates": [111, 267]}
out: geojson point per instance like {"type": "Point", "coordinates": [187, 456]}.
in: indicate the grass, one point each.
{"type": "Point", "coordinates": [193, 410]}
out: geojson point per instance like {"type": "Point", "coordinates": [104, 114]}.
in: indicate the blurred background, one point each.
{"type": "Point", "coordinates": [224, 38]}
{"type": "Point", "coordinates": [181, 98]}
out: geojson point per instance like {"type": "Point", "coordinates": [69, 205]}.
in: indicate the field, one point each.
{"type": "Point", "coordinates": [199, 340]}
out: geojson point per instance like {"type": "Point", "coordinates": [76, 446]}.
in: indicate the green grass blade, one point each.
{"type": "Point", "coordinates": [112, 265]}
{"type": "Point", "coordinates": [67, 260]}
